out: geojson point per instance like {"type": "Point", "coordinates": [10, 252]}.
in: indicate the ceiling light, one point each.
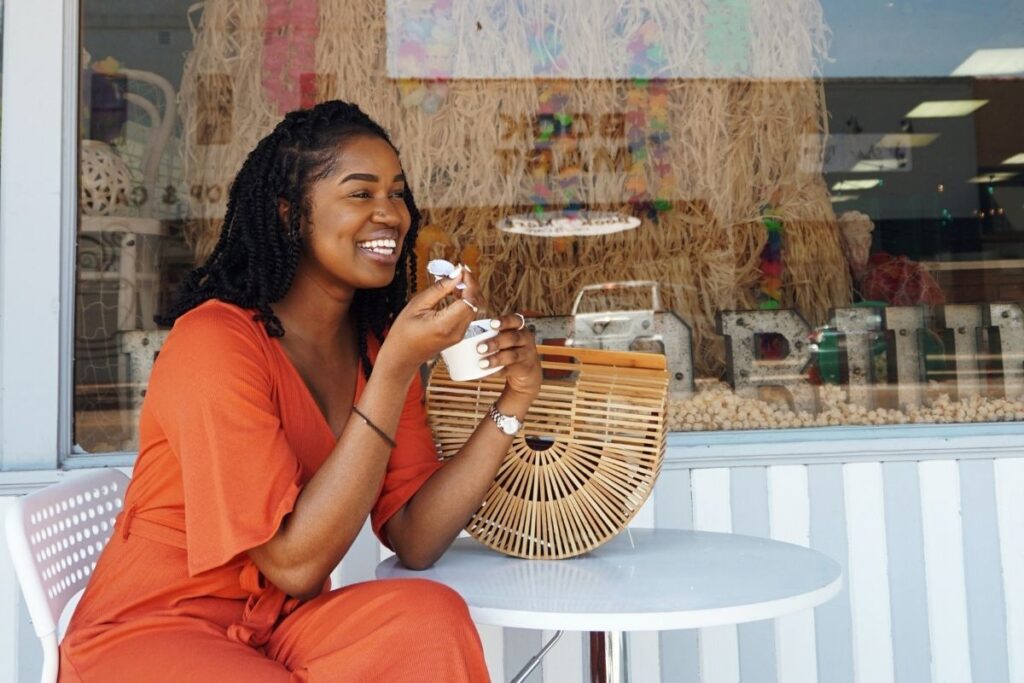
{"type": "Point", "coordinates": [992, 177]}
{"type": "Point", "coordinates": [907, 139]}
{"type": "Point", "coordinates": [940, 109]}
{"type": "Point", "coordinates": [1015, 159]}
{"type": "Point", "coordinates": [877, 165]}
{"type": "Point", "coordinates": [840, 198]}
{"type": "Point", "coordinates": [565, 223]}
{"type": "Point", "coordinates": [866, 184]}
{"type": "Point", "coordinates": [992, 62]}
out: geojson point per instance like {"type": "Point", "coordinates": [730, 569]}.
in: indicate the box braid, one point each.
{"type": "Point", "coordinates": [255, 258]}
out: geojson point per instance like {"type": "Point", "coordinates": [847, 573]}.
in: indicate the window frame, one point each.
{"type": "Point", "coordinates": [40, 140]}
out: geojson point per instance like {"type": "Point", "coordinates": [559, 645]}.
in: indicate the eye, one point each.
{"type": "Point", "coordinates": [360, 194]}
{"type": "Point", "coordinates": [398, 194]}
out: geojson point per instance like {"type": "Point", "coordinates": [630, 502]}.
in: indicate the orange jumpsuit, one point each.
{"type": "Point", "coordinates": [229, 434]}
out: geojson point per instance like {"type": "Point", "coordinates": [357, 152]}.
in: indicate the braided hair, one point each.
{"type": "Point", "coordinates": [254, 261]}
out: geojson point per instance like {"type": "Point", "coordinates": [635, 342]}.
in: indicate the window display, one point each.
{"type": "Point", "coordinates": [814, 233]}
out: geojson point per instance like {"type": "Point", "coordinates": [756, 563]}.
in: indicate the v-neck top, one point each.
{"type": "Point", "coordinates": [229, 435]}
{"type": "Point", "coordinates": [243, 432]}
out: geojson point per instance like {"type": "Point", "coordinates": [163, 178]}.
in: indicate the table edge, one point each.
{"type": "Point", "coordinates": [655, 621]}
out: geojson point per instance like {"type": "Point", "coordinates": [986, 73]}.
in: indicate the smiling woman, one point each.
{"type": "Point", "coordinates": [253, 481]}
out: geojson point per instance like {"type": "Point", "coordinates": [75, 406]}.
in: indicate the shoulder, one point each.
{"type": "Point", "coordinates": [213, 332]}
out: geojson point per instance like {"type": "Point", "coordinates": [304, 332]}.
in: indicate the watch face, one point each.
{"type": "Point", "coordinates": [510, 424]}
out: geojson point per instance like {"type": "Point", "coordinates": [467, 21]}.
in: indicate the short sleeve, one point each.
{"type": "Point", "coordinates": [413, 460]}
{"type": "Point", "coordinates": [212, 391]}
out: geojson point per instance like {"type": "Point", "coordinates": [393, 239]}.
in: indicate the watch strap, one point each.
{"type": "Point", "coordinates": [501, 420]}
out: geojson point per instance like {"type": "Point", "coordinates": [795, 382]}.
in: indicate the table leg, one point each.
{"type": "Point", "coordinates": [609, 657]}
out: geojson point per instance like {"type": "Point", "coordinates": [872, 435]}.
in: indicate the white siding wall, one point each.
{"type": "Point", "coordinates": [933, 552]}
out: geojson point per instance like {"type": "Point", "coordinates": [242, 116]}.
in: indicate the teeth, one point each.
{"type": "Point", "coordinates": [378, 244]}
{"type": "Point", "coordinates": [384, 247]}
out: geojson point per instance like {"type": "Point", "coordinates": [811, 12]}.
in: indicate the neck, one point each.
{"type": "Point", "coordinates": [314, 315]}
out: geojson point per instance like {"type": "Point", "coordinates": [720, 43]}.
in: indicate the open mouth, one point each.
{"type": "Point", "coordinates": [384, 247]}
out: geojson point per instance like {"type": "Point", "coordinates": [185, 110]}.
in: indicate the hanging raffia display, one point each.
{"type": "Point", "coordinates": [687, 114]}
{"type": "Point", "coordinates": [585, 461]}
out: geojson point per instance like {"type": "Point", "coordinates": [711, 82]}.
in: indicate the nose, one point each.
{"type": "Point", "coordinates": [386, 214]}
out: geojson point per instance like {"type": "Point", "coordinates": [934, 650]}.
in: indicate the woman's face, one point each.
{"type": "Point", "coordinates": [358, 219]}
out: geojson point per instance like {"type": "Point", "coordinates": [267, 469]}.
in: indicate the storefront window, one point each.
{"type": "Point", "coordinates": [1, 51]}
{"type": "Point", "coordinates": [815, 209]}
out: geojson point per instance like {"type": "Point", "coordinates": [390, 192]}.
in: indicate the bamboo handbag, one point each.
{"type": "Point", "coordinates": [586, 459]}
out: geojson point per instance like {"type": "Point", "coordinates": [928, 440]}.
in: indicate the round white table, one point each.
{"type": "Point", "coordinates": [641, 580]}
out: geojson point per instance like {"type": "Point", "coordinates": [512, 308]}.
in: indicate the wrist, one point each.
{"type": "Point", "coordinates": [512, 402]}
{"type": "Point", "coordinates": [394, 371]}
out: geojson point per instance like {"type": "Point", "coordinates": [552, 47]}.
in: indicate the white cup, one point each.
{"type": "Point", "coordinates": [463, 360]}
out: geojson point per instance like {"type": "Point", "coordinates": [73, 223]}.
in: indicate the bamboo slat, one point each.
{"type": "Point", "coordinates": [585, 461]}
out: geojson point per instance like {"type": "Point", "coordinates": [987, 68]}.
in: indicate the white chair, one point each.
{"type": "Point", "coordinates": [55, 536]}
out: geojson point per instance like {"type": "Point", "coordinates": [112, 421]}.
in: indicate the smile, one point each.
{"type": "Point", "coordinates": [385, 247]}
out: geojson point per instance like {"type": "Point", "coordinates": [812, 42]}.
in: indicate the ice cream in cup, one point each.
{"type": "Point", "coordinates": [462, 358]}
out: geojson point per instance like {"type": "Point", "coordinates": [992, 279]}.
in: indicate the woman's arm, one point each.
{"type": "Point", "coordinates": [333, 505]}
{"type": "Point", "coordinates": [424, 528]}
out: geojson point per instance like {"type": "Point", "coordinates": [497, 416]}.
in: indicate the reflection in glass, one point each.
{"type": "Point", "coordinates": [844, 180]}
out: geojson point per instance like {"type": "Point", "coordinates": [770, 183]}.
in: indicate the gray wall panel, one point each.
{"type": "Point", "coordinates": [832, 623]}
{"type": "Point", "coordinates": [749, 502]}
{"type": "Point", "coordinates": [986, 613]}
{"type": "Point", "coordinates": [673, 509]}
{"type": "Point", "coordinates": [911, 646]}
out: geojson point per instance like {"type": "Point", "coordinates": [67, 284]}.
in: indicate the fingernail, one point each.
{"type": "Point", "coordinates": [482, 348]}
{"type": "Point", "coordinates": [455, 273]}
{"type": "Point", "coordinates": [484, 363]}
{"type": "Point", "coordinates": [495, 324]}
{"type": "Point", "coordinates": [468, 269]}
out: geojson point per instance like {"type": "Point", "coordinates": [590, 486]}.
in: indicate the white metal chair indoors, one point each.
{"type": "Point", "coordinates": [55, 536]}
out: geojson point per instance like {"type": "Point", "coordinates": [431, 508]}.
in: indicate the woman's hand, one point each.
{"type": "Point", "coordinates": [515, 348]}
{"type": "Point", "coordinates": [426, 326]}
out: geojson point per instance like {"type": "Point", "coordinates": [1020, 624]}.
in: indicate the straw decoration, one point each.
{"type": "Point", "coordinates": [694, 157]}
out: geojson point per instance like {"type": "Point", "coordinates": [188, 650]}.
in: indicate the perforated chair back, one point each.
{"type": "Point", "coordinates": [55, 536]}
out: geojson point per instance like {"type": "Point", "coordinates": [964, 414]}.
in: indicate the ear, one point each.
{"type": "Point", "coordinates": [283, 210]}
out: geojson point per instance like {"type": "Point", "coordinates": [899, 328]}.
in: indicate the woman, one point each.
{"type": "Point", "coordinates": [272, 427]}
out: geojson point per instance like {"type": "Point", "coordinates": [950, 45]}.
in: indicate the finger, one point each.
{"type": "Point", "coordinates": [435, 293]}
{"type": "Point", "coordinates": [505, 357]}
{"type": "Point", "coordinates": [506, 340]}
{"type": "Point", "coordinates": [459, 313]}
{"type": "Point", "coordinates": [510, 321]}
{"type": "Point", "coordinates": [472, 291]}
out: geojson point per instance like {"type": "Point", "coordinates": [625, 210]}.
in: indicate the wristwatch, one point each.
{"type": "Point", "coordinates": [510, 424]}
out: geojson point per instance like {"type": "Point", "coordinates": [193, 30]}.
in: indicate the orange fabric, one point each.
{"type": "Point", "coordinates": [229, 434]}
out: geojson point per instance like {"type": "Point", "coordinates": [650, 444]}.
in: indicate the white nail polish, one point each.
{"type": "Point", "coordinates": [495, 324]}
{"type": "Point", "coordinates": [484, 363]}
{"type": "Point", "coordinates": [482, 348]}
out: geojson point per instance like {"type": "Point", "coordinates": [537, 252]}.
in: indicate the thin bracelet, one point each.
{"type": "Point", "coordinates": [383, 435]}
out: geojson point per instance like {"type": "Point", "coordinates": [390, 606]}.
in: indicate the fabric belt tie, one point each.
{"type": "Point", "coordinates": [266, 604]}
{"type": "Point", "coordinates": [153, 526]}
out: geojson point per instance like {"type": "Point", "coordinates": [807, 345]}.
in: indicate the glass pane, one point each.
{"type": "Point", "coordinates": [133, 206]}
{"type": "Point", "coordinates": [813, 208]}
